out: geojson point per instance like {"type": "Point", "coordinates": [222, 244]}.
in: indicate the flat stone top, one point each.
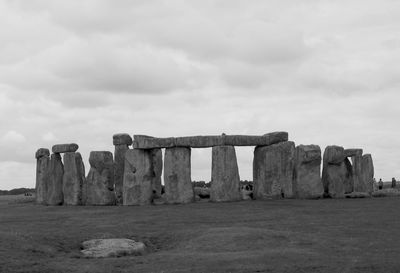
{"type": "Point", "coordinates": [42, 152]}
{"type": "Point", "coordinates": [119, 139]}
{"type": "Point", "coordinates": [65, 148]}
{"type": "Point", "coordinates": [353, 152]}
{"type": "Point", "coordinates": [148, 142]}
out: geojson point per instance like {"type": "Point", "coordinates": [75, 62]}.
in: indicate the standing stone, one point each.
{"type": "Point", "coordinates": [42, 174]}
{"type": "Point", "coordinates": [334, 171]}
{"type": "Point", "coordinates": [177, 180]}
{"type": "Point", "coordinates": [273, 168]}
{"type": "Point", "coordinates": [122, 143]}
{"type": "Point", "coordinates": [73, 179]}
{"type": "Point", "coordinates": [356, 160]}
{"type": "Point", "coordinates": [55, 184]}
{"type": "Point", "coordinates": [348, 179]}
{"type": "Point", "coordinates": [138, 177]}
{"type": "Point", "coordinates": [307, 179]}
{"type": "Point", "coordinates": [157, 163]}
{"type": "Point", "coordinates": [99, 186]}
{"type": "Point", "coordinates": [367, 172]}
{"type": "Point", "coordinates": [225, 181]}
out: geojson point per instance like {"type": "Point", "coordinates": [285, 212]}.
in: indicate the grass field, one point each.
{"type": "Point", "coordinates": [348, 235]}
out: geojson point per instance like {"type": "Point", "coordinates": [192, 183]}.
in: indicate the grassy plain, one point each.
{"type": "Point", "coordinates": [348, 235]}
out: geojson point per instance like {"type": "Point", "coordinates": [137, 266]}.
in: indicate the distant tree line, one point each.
{"type": "Point", "coordinates": [17, 191]}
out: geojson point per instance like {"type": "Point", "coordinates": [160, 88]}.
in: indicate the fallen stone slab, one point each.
{"type": "Point", "coordinates": [42, 152]}
{"type": "Point", "coordinates": [104, 248]}
{"type": "Point", "coordinates": [64, 148]}
{"type": "Point", "coordinates": [357, 195]}
{"type": "Point", "coordinates": [122, 139]}
{"type": "Point", "coordinates": [148, 142]}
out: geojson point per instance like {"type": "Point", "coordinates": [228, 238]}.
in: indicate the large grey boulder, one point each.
{"type": "Point", "coordinates": [42, 174]}
{"type": "Point", "coordinates": [157, 165]}
{"type": "Point", "coordinates": [177, 179]}
{"type": "Point", "coordinates": [307, 179]}
{"type": "Point", "coordinates": [65, 148]}
{"type": "Point", "coordinates": [54, 187]}
{"type": "Point", "coordinates": [138, 177]}
{"type": "Point", "coordinates": [224, 175]}
{"type": "Point", "coordinates": [273, 168]}
{"type": "Point", "coordinates": [334, 171]}
{"type": "Point", "coordinates": [104, 248]}
{"type": "Point", "coordinates": [99, 186]}
{"type": "Point", "coordinates": [73, 179]}
{"type": "Point", "coordinates": [367, 167]}
{"type": "Point", "coordinates": [121, 142]}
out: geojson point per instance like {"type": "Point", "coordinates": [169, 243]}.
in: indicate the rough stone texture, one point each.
{"type": "Point", "coordinates": [358, 185]}
{"type": "Point", "coordinates": [334, 171]}
{"type": "Point", "coordinates": [367, 167]}
{"type": "Point", "coordinates": [119, 163]}
{"type": "Point", "coordinates": [177, 180]}
{"type": "Point", "coordinates": [99, 186]}
{"type": "Point", "coordinates": [224, 175]}
{"type": "Point", "coordinates": [42, 152]}
{"type": "Point", "coordinates": [353, 152]}
{"type": "Point", "coordinates": [54, 194]}
{"type": "Point", "coordinates": [138, 177]}
{"type": "Point", "coordinates": [122, 139]}
{"type": "Point", "coordinates": [147, 142]}
{"type": "Point", "coordinates": [273, 168]}
{"type": "Point", "coordinates": [65, 148]}
{"type": "Point", "coordinates": [73, 179]}
{"type": "Point", "coordinates": [103, 248]}
{"type": "Point", "coordinates": [349, 179]}
{"type": "Point", "coordinates": [42, 176]}
{"type": "Point", "coordinates": [307, 179]}
{"type": "Point", "coordinates": [157, 164]}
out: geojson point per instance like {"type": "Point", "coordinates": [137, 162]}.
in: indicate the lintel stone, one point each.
{"type": "Point", "coordinates": [65, 148]}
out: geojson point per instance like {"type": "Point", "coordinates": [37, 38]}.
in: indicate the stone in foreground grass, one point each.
{"type": "Point", "coordinates": [103, 248]}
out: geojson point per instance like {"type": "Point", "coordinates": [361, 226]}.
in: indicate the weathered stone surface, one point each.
{"type": "Point", "coordinates": [353, 152]}
{"type": "Point", "coordinates": [42, 152]}
{"type": "Point", "coordinates": [367, 167]}
{"type": "Point", "coordinates": [99, 186]}
{"type": "Point", "coordinates": [348, 179]}
{"type": "Point", "coordinates": [224, 175]}
{"type": "Point", "coordinates": [147, 142]}
{"type": "Point", "coordinates": [65, 148]}
{"type": "Point", "coordinates": [138, 177]}
{"type": "Point", "coordinates": [73, 179]}
{"type": "Point", "coordinates": [334, 171]}
{"type": "Point", "coordinates": [119, 163]}
{"type": "Point", "coordinates": [177, 179]}
{"type": "Point", "coordinates": [42, 177]}
{"type": "Point", "coordinates": [54, 194]}
{"type": "Point", "coordinates": [307, 179]}
{"type": "Point", "coordinates": [358, 185]}
{"type": "Point", "coordinates": [157, 164]}
{"type": "Point", "coordinates": [122, 139]}
{"type": "Point", "coordinates": [273, 168]}
{"type": "Point", "coordinates": [103, 248]}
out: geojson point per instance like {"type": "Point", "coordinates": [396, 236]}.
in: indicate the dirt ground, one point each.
{"type": "Point", "coordinates": [347, 235]}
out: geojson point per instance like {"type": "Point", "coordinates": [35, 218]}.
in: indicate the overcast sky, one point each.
{"type": "Point", "coordinates": [79, 71]}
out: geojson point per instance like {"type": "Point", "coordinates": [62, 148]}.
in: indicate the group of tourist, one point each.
{"type": "Point", "coordinates": [380, 183]}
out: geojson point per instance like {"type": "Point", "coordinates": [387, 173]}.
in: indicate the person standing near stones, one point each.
{"type": "Point", "coordinates": [380, 184]}
{"type": "Point", "coordinates": [393, 183]}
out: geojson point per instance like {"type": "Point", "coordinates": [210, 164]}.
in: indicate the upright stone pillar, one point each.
{"type": "Point", "coordinates": [177, 179]}
{"type": "Point", "coordinates": [367, 172]}
{"type": "Point", "coordinates": [157, 164]}
{"type": "Point", "coordinates": [225, 181]}
{"type": "Point", "coordinates": [138, 177]}
{"type": "Point", "coordinates": [42, 174]}
{"type": "Point", "coordinates": [73, 179]}
{"type": "Point", "coordinates": [122, 143]}
{"type": "Point", "coordinates": [99, 188]}
{"type": "Point", "coordinates": [307, 174]}
{"type": "Point", "coordinates": [356, 160]}
{"type": "Point", "coordinates": [334, 171]}
{"type": "Point", "coordinates": [55, 184]}
{"type": "Point", "coordinates": [273, 168]}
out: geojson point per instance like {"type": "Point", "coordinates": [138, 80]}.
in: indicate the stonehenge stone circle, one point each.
{"type": "Point", "coordinates": [138, 178]}
{"type": "Point", "coordinates": [177, 175]}
{"type": "Point", "coordinates": [157, 164]}
{"type": "Point", "coordinates": [273, 168]}
{"type": "Point", "coordinates": [334, 171]}
{"type": "Point", "coordinates": [122, 143]}
{"type": "Point", "coordinates": [73, 179]}
{"type": "Point", "coordinates": [55, 194]}
{"type": "Point", "coordinates": [64, 148]}
{"type": "Point", "coordinates": [224, 175]}
{"type": "Point", "coordinates": [367, 166]}
{"type": "Point", "coordinates": [99, 186]}
{"type": "Point", "coordinates": [307, 179]}
{"type": "Point", "coordinates": [42, 174]}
